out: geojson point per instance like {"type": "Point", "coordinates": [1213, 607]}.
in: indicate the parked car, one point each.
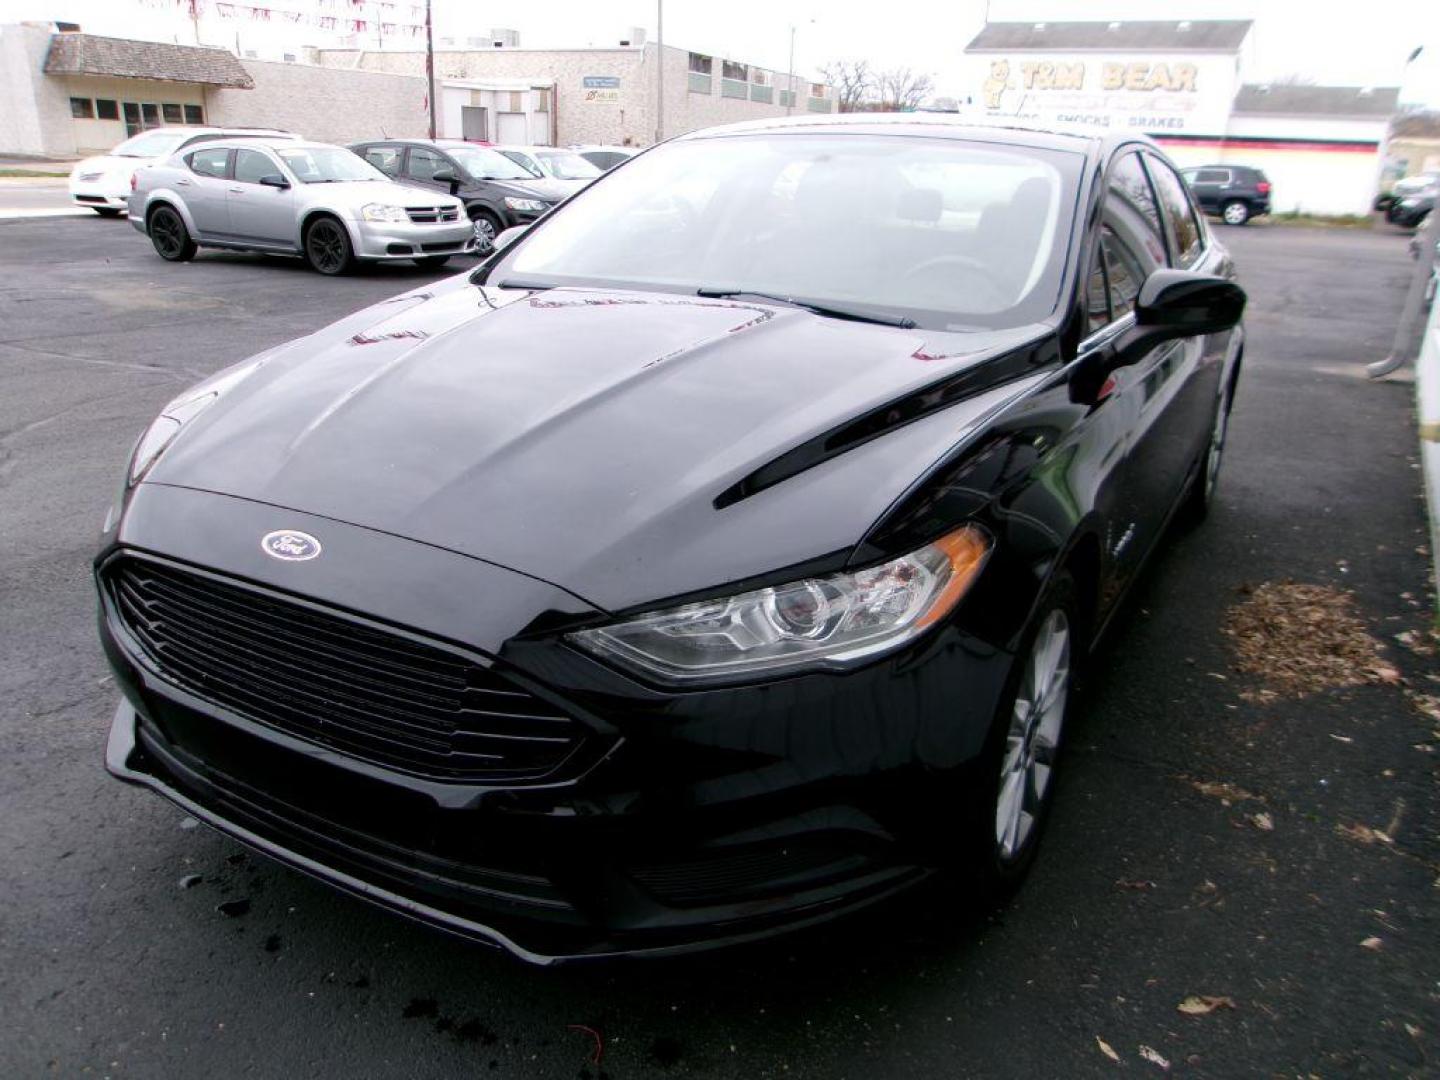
{"type": "Point", "coordinates": [498, 193]}
{"type": "Point", "coordinates": [1408, 185]}
{"type": "Point", "coordinates": [1412, 198]}
{"type": "Point", "coordinates": [605, 158]}
{"type": "Point", "coordinates": [684, 575]}
{"type": "Point", "coordinates": [563, 167]}
{"type": "Point", "coordinates": [292, 198]}
{"type": "Point", "coordinates": [102, 183]}
{"type": "Point", "coordinates": [1235, 192]}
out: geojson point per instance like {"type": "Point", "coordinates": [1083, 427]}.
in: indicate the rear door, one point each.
{"type": "Point", "coordinates": [259, 212]}
{"type": "Point", "coordinates": [205, 191]}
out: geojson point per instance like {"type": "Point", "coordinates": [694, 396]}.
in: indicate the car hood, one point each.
{"type": "Point", "coordinates": [111, 163]}
{"type": "Point", "coordinates": [351, 195]}
{"type": "Point", "coordinates": [522, 189]}
{"type": "Point", "coordinates": [583, 436]}
{"type": "Point", "coordinates": [549, 189]}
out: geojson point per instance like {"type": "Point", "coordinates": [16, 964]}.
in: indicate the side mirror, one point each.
{"type": "Point", "coordinates": [507, 237]}
{"type": "Point", "coordinates": [1172, 304]}
{"type": "Point", "coordinates": [447, 176]}
{"type": "Point", "coordinates": [274, 180]}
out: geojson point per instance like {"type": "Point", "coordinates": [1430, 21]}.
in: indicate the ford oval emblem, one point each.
{"type": "Point", "coordinates": [291, 545]}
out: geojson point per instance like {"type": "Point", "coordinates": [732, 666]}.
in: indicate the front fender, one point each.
{"type": "Point", "coordinates": [345, 217]}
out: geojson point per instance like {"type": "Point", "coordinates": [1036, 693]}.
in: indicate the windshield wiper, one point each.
{"type": "Point", "coordinates": [826, 310]}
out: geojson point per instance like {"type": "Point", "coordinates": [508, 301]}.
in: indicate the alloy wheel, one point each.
{"type": "Point", "coordinates": [1216, 452]}
{"type": "Point", "coordinates": [167, 232]}
{"type": "Point", "coordinates": [326, 247]}
{"type": "Point", "coordinates": [1236, 214]}
{"type": "Point", "coordinates": [484, 233]}
{"type": "Point", "coordinates": [1033, 738]}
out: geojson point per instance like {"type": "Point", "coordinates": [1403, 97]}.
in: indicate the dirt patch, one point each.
{"type": "Point", "coordinates": [1300, 639]}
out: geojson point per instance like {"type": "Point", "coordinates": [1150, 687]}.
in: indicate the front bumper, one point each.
{"type": "Point", "coordinates": [689, 820]}
{"type": "Point", "coordinates": [406, 240]}
{"type": "Point", "coordinates": [98, 194]}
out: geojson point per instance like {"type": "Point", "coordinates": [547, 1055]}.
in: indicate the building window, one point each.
{"type": "Point", "coordinates": [700, 64]}
{"type": "Point", "coordinates": [81, 108]}
{"type": "Point", "coordinates": [542, 99]}
{"type": "Point", "coordinates": [172, 113]}
{"type": "Point", "coordinates": [760, 77]}
{"type": "Point", "coordinates": [731, 70]}
{"type": "Point", "coordinates": [194, 114]}
{"type": "Point", "coordinates": [149, 115]}
{"type": "Point", "coordinates": [106, 109]}
{"type": "Point", "coordinates": [817, 89]}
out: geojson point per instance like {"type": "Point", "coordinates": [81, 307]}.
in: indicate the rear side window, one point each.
{"type": "Point", "coordinates": [1186, 241]}
{"type": "Point", "coordinates": [211, 161]}
{"type": "Point", "coordinates": [1209, 176]}
{"type": "Point", "coordinates": [384, 158]}
{"type": "Point", "coordinates": [1131, 201]}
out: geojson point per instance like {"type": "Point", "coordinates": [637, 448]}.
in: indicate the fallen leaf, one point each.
{"type": "Point", "coordinates": [1341, 738]}
{"type": "Point", "coordinates": [1223, 790]}
{"type": "Point", "coordinates": [1264, 822]}
{"type": "Point", "coordinates": [1204, 1004]}
{"type": "Point", "coordinates": [1154, 1056]}
{"type": "Point", "coordinates": [1372, 943]}
{"type": "Point", "coordinates": [1107, 1049]}
{"type": "Point", "coordinates": [1139, 886]}
{"type": "Point", "coordinates": [1363, 834]}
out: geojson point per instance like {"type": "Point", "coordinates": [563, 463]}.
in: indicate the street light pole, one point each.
{"type": "Point", "coordinates": [790, 70]}
{"type": "Point", "coordinates": [659, 70]}
{"type": "Point", "coordinates": [430, 66]}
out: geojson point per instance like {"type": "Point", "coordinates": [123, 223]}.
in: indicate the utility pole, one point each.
{"type": "Point", "coordinates": [430, 66]}
{"type": "Point", "coordinates": [659, 70]}
{"type": "Point", "coordinates": [790, 71]}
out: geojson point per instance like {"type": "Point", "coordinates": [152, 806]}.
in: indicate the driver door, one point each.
{"type": "Point", "coordinates": [205, 191]}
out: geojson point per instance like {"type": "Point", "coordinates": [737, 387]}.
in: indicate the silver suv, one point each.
{"type": "Point", "coordinates": [293, 198]}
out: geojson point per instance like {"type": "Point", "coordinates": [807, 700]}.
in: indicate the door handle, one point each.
{"type": "Point", "coordinates": [182, 182]}
{"type": "Point", "coordinates": [237, 191]}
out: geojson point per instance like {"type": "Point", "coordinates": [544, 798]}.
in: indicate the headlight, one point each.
{"type": "Point", "coordinates": [1410, 203]}
{"type": "Point", "coordinates": [383, 212]}
{"type": "Point", "coordinates": [820, 622]}
{"type": "Point", "coordinates": [525, 204]}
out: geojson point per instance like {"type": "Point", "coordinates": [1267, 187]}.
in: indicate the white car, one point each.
{"type": "Point", "coordinates": [103, 182]}
{"type": "Point", "coordinates": [567, 169]}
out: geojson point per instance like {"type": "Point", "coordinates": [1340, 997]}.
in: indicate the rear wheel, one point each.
{"type": "Point", "coordinates": [107, 211]}
{"type": "Point", "coordinates": [432, 262]}
{"type": "Point", "coordinates": [1235, 212]}
{"type": "Point", "coordinates": [327, 247]}
{"type": "Point", "coordinates": [169, 236]}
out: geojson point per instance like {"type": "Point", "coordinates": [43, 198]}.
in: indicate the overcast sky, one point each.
{"type": "Point", "coordinates": [1353, 44]}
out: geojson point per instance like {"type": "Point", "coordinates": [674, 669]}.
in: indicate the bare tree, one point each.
{"type": "Point", "coordinates": [852, 82]}
{"type": "Point", "coordinates": [902, 89]}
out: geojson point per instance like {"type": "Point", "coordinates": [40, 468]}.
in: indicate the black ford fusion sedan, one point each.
{"type": "Point", "coordinates": [717, 557]}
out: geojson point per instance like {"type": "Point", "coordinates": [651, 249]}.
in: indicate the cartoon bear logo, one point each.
{"type": "Point", "coordinates": [998, 82]}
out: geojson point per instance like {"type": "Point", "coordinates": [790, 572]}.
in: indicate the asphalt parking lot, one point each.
{"type": "Point", "coordinates": [1159, 879]}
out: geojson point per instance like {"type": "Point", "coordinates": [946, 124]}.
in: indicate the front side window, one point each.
{"type": "Point", "coordinates": [1124, 273]}
{"type": "Point", "coordinates": [1130, 188]}
{"type": "Point", "coordinates": [213, 161]}
{"type": "Point", "coordinates": [158, 144]}
{"type": "Point", "coordinates": [1186, 243]}
{"type": "Point", "coordinates": [956, 234]}
{"type": "Point", "coordinates": [327, 165]}
{"type": "Point", "coordinates": [424, 164]}
{"type": "Point", "coordinates": [251, 165]}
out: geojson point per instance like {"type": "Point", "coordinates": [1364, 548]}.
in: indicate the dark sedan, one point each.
{"type": "Point", "coordinates": [498, 194]}
{"type": "Point", "coordinates": [689, 571]}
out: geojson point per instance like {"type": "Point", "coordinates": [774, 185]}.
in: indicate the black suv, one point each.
{"type": "Point", "coordinates": [1235, 192]}
{"type": "Point", "coordinates": [498, 194]}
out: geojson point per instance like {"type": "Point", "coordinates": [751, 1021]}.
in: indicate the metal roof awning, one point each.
{"type": "Point", "coordinates": [122, 58]}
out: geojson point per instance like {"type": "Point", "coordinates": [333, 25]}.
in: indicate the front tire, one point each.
{"type": "Point", "coordinates": [1015, 782]}
{"type": "Point", "coordinates": [327, 247]}
{"type": "Point", "coordinates": [169, 236]}
{"type": "Point", "coordinates": [487, 226]}
{"type": "Point", "coordinates": [1235, 212]}
{"type": "Point", "coordinates": [432, 262]}
{"type": "Point", "coordinates": [1202, 490]}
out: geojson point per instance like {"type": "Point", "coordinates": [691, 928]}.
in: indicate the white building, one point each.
{"type": "Point", "coordinates": [1182, 83]}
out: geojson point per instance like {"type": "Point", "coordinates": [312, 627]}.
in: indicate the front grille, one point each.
{"type": "Point", "coordinates": [90, 198]}
{"type": "Point", "coordinates": [729, 876]}
{"type": "Point", "coordinates": [429, 215]}
{"type": "Point", "coordinates": [367, 692]}
{"type": "Point", "coordinates": [452, 246]}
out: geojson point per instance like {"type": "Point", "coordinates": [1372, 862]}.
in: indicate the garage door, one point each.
{"type": "Point", "coordinates": [512, 130]}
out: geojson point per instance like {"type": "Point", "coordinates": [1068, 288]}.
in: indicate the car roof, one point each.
{"type": "Point", "coordinates": [438, 144]}
{"type": "Point", "coordinates": [1005, 130]}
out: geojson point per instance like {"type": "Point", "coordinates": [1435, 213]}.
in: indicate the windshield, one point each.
{"type": "Point", "coordinates": [150, 144]}
{"type": "Point", "coordinates": [948, 233]}
{"type": "Point", "coordinates": [487, 164]}
{"type": "Point", "coordinates": [567, 166]}
{"type": "Point", "coordinates": [328, 165]}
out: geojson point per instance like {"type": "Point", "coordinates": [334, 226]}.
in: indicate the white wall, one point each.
{"type": "Point", "coordinates": [327, 104]}
{"type": "Point", "coordinates": [34, 108]}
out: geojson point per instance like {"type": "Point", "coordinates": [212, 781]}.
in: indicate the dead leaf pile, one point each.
{"type": "Point", "coordinates": [1300, 639]}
